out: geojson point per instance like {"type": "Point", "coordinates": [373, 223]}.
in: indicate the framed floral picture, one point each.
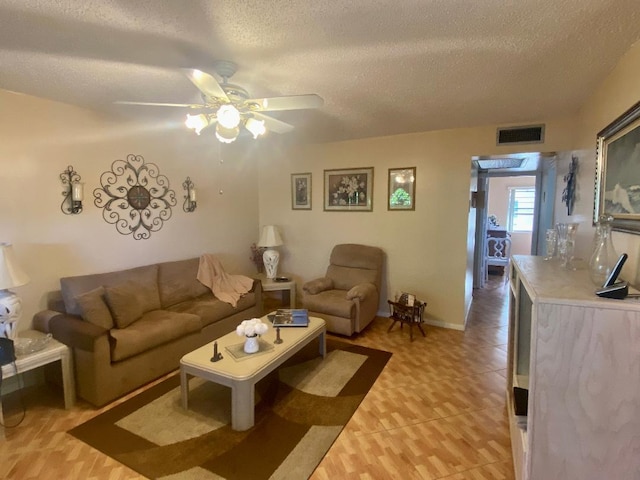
{"type": "Point", "coordinates": [348, 189]}
{"type": "Point", "coordinates": [617, 172]}
{"type": "Point", "coordinates": [301, 191]}
{"type": "Point", "coordinates": [402, 184]}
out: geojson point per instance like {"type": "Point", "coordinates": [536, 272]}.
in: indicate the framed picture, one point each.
{"type": "Point", "coordinates": [348, 189]}
{"type": "Point", "coordinates": [301, 191]}
{"type": "Point", "coordinates": [402, 194]}
{"type": "Point", "coordinates": [617, 190]}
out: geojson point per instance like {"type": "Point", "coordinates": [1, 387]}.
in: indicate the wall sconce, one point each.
{"type": "Point", "coordinates": [190, 203]}
{"type": "Point", "coordinates": [73, 192]}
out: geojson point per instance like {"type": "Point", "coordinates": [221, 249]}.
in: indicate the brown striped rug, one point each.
{"type": "Point", "coordinates": [301, 409]}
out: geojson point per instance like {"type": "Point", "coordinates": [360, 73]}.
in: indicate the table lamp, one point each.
{"type": "Point", "coordinates": [11, 275]}
{"type": "Point", "coordinates": [269, 238]}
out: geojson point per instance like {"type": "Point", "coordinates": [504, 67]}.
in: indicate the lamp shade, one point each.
{"type": "Point", "coordinates": [11, 275]}
{"type": "Point", "coordinates": [270, 237]}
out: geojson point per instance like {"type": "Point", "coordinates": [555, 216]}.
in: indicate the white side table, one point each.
{"type": "Point", "coordinates": [52, 352]}
{"type": "Point", "coordinates": [270, 285]}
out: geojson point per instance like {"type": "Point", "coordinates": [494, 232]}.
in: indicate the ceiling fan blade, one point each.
{"type": "Point", "coordinates": [154, 104]}
{"type": "Point", "coordinates": [292, 102]}
{"type": "Point", "coordinates": [273, 124]}
{"type": "Point", "coordinates": [206, 83]}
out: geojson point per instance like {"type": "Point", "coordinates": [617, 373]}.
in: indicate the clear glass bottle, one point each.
{"type": "Point", "coordinates": [604, 256]}
{"type": "Point", "coordinates": [551, 237]}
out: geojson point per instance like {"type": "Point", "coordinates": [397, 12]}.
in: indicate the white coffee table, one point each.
{"type": "Point", "coordinates": [242, 374]}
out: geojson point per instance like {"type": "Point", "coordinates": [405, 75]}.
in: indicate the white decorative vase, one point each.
{"type": "Point", "coordinates": [251, 344]}
{"type": "Point", "coordinates": [271, 259]}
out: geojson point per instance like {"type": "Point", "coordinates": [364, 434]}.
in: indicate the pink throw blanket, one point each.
{"type": "Point", "coordinates": [228, 288]}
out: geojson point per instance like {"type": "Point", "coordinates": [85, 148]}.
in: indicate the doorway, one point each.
{"type": "Point", "coordinates": [503, 183]}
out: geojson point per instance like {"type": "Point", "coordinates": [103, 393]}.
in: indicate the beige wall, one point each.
{"type": "Point", "coordinates": [41, 138]}
{"type": "Point", "coordinates": [498, 204]}
{"type": "Point", "coordinates": [583, 207]}
{"type": "Point", "coordinates": [428, 250]}
{"type": "Point", "coordinates": [617, 93]}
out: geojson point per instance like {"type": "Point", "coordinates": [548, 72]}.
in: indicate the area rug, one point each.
{"type": "Point", "coordinates": [300, 411]}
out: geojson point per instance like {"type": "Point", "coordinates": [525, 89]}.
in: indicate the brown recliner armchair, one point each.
{"type": "Point", "coordinates": [347, 296]}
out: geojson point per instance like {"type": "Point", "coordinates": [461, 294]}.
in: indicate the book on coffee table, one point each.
{"type": "Point", "coordinates": [290, 317]}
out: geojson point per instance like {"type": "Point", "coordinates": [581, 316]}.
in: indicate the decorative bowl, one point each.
{"type": "Point", "coordinates": [25, 346]}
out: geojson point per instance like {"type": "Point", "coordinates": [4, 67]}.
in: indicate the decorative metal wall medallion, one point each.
{"type": "Point", "coordinates": [135, 197]}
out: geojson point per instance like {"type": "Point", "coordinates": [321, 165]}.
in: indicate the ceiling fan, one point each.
{"type": "Point", "coordinates": [229, 107]}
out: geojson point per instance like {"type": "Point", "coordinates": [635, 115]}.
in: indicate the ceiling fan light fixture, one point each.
{"type": "Point", "coordinates": [256, 127]}
{"type": "Point", "coordinates": [197, 122]}
{"type": "Point", "coordinates": [228, 116]}
{"type": "Point", "coordinates": [226, 135]}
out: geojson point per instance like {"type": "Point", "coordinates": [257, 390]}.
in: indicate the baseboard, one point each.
{"type": "Point", "coordinates": [435, 323]}
{"type": "Point", "coordinates": [451, 326]}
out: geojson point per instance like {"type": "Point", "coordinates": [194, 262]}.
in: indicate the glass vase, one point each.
{"type": "Point", "coordinates": [551, 240]}
{"type": "Point", "coordinates": [566, 233]}
{"type": "Point", "coordinates": [604, 256]}
{"type": "Point", "coordinates": [251, 344]}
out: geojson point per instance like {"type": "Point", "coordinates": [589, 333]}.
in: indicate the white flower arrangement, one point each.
{"type": "Point", "coordinates": [251, 328]}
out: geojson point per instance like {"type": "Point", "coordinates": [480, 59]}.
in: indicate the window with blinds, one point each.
{"type": "Point", "coordinates": [521, 205]}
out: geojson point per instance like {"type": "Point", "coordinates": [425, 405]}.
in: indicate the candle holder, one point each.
{"type": "Point", "coordinates": [278, 340]}
{"type": "Point", "coordinates": [73, 193]}
{"type": "Point", "coordinates": [216, 355]}
{"type": "Point", "coordinates": [190, 203]}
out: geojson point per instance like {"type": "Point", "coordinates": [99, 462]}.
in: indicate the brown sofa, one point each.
{"type": "Point", "coordinates": [129, 327]}
{"type": "Point", "coordinates": [347, 296]}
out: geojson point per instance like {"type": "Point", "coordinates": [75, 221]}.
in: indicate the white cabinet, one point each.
{"type": "Point", "coordinates": [579, 357]}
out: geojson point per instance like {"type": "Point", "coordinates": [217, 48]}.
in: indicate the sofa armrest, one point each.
{"type": "Point", "coordinates": [42, 319]}
{"type": "Point", "coordinates": [318, 285]}
{"type": "Point", "coordinates": [75, 332]}
{"type": "Point", "coordinates": [362, 291]}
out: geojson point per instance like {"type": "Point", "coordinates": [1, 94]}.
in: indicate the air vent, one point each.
{"type": "Point", "coordinates": [515, 135]}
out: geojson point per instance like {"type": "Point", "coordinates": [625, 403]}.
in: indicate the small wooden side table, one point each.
{"type": "Point", "coordinates": [411, 314]}
{"type": "Point", "coordinates": [52, 352]}
{"type": "Point", "coordinates": [270, 285]}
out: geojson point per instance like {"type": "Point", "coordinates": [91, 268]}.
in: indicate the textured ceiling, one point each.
{"type": "Point", "coordinates": [383, 67]}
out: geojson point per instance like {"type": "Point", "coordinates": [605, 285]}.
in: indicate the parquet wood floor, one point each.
{"type": "Point", "coordinates": [437, 411]}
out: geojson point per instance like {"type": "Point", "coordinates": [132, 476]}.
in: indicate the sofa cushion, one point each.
{"type": "Point", "coordinates": [124, 304]}
{"type": "Point", "coordinates": [152, 330]}
{"type": "Point", "coordinates": [145, 278]}
{"type": "Point", "coordinates": [210, 309]}
{"type": "Point", "coordinates": [331, 302]}
{"type": "Point", "coordinates": [94, 309]}
{"type": "Point", "coordinates": [177, 282]}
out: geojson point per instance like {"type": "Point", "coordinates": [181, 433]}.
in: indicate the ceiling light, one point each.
{"type": "Point", "coordinates": [256, 127]}
{"type": "Point", "coordinates": [491, 163]}
{"type": "Point", "coordinates": [226, 135]}
{"type": "Point", "coordinates": [197, 122]}
{"type": "Point", "coordinates": [228, 116]}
